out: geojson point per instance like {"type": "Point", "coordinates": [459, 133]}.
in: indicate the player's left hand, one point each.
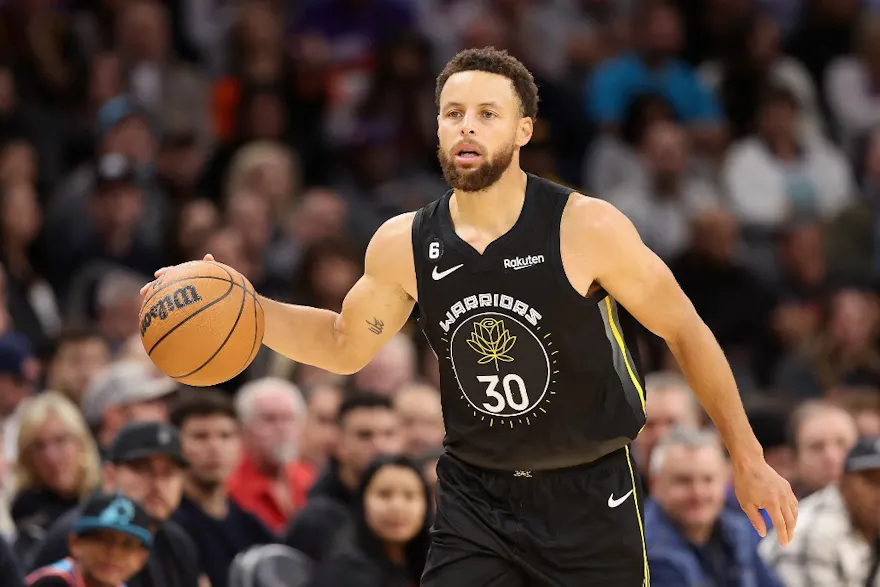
{"type": "Point", "coordinates": [759, 487]}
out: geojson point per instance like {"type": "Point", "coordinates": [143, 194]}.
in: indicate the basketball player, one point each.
{"type": "Point", "coordinates": [527, 293]}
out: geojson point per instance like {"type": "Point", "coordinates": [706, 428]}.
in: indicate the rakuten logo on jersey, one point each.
{"type": "Point", "coordinates": [523, 262]}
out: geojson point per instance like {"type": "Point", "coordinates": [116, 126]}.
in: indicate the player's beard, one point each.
{"type": "Point", "coordinates": [475, 180]}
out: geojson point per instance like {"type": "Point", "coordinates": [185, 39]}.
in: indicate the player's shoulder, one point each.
{"type": "Point", "coordinates": [394, 231]}
{"type": "Point", "coordinates": [592, 218]}
{"type": "Point", "coordinates": [390, 250]}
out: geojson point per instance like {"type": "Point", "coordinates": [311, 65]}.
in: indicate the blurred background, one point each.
{"type": "Point", "coordinates": [740, 136]}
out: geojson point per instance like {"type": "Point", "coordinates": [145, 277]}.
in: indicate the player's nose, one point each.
{"type": "Point", "coordinates": [467, 126]}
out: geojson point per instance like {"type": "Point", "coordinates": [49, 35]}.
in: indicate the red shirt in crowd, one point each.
{"type": "Point", "coordinates": [252, 491]}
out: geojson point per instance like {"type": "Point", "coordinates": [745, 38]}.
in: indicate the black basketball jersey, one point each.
{"type": "Point", "coordinates": [533, 374]}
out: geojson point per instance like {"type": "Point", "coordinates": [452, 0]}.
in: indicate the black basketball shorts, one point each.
{"type": "Point", "coordinates": [574, 527]}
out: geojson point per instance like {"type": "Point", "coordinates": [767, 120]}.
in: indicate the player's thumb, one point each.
{"type": "Point", "coordinates": [208, 257]}
{"type": "Point", "coordinates": [757, 520]}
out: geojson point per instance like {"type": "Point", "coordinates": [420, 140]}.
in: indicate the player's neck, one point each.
{"type": "Point", "coordinates": [495, 209]}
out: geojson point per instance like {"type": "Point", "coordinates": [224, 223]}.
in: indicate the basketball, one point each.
{"type": "Point", "coordinates": [201, 323]}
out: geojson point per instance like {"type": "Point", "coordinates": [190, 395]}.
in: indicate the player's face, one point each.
{"type": "Point", "coordinates": [395, 504]}
{"type": "Point", "coordinates": [690, 487]}
{"type": "Point", "coordinates": [480, 128]}
{"type": "Point", "coordinates": [109, 557]}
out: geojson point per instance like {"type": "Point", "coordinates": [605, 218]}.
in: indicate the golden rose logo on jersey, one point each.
{"type": "Point", "coordinates": [504, 366]}
{"type": "Point", "coordinates": [492, 341]}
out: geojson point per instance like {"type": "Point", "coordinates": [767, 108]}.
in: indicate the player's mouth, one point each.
{"type": "Point", "coordinates": [467, 153]}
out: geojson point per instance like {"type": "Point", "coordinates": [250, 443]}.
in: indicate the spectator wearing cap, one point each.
{"type": "Point", "coordinates": [209, 438]}
{"type": "Point", "coordinates": [124, 129]}
{"type": "Point", "coordinates": [838, 528]}
{"type": "Point", "coordinates": [76, 356]}
{"type": "Point", "coordinates": [58, 465]}
{"type": "Point", "coordinates": [109, 543]}
{"type": "Point", "coordinates": [19, 371]}
{"type": "Point", "coordinates": [111, 231]}
{"type": "Point", "coordinates": [144, 464]}
{"type": "Point", "coordinates": [127, 391]}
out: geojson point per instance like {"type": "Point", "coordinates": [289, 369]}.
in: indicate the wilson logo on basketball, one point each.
{"type": "Point", "coordinates": [181, 298]}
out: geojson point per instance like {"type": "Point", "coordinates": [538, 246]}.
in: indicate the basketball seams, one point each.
{"type": "Point", "coordinates": [244, 295]}
{"type": "Point", "coordinates": [232, 285]}
{"type": "Point", "coordinates": [256, 344]}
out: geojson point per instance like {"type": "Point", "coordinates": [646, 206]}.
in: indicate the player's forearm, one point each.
{"type": "Point", "coordinates": [708, 373]}
{"type": "Point", "coordinates": [307, 335]}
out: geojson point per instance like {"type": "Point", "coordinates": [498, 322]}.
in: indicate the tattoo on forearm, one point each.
{"type": "Point", "coordinates": [376, 326]}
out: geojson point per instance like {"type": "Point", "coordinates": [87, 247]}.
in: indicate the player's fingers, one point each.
{"type": "Point", "coordinates": [145, 288]}
{"type": "Point", "coordinates": [777, 515]}
{"type": "Point", "coordinates": [208, 257]}
{"type": "Point", "coordinates": [756, 519]}
{"type": "Point", "coordinates": [790, 519]}
{"type": "Point", "coordinates": [160, 271]}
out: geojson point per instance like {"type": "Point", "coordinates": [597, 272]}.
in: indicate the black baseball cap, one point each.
{"type": "Point", "coordinates": [115, 512]}
{"type": "Point", "coordinates": [865, 456]}
{"type": "Point", "coordinates": [139, 440]}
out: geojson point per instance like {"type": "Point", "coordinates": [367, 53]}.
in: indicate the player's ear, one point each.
{"type": "Point", "coordinates": [524, 131]}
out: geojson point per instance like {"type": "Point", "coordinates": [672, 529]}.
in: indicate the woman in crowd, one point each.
{"type": "Point", "coordinates": [389, 540]}
{"type": "Point", "coordinates": [57, 465]}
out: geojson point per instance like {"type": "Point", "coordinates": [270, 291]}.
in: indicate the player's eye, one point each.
{"type": "Point", "coordinates": [488, 114]}
{"type": "Point", "coordinates": [453, 114]}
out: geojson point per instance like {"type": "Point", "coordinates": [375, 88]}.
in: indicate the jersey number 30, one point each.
{"type": "Point", "coordinates": [503, 401]}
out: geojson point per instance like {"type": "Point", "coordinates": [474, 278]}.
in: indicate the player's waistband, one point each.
{"type": "Point", "coordinates": [603, 452]}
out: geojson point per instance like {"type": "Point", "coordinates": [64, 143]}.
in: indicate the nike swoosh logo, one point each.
{"type": "Point", "coordinates": [613, 503]}
{"type": "Point", "coordinates": [438, 275]}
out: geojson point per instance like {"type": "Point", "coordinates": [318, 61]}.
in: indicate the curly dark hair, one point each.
{"type": "Point", "coordinates": [500, 62]}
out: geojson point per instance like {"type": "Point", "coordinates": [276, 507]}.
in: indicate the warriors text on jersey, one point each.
{"type": "Point", "coordinates": [533, 374]}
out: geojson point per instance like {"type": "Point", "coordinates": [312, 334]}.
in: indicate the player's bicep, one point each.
{"type": "Point", "coordinates": [640, 281]}
{"type": "Point", "coordinates": [373, 311]}
{"type": "Point", "coordinates": [378, 305]}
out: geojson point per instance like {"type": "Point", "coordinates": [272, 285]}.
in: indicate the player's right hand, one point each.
{"type": "Point", "coordinates": [159, 272]}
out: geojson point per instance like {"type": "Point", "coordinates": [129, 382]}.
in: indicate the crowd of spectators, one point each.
{"type": "Point", "coordinates": [741, 137]}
